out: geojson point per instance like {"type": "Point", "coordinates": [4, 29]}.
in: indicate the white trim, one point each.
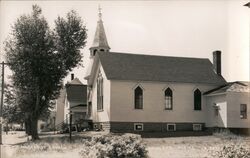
{"type": "Point", "coordinates": [135, 124]}
{"type": "Point", "coordinates": [171, 124]}
{"type": "Point", "coordinates": [168, 86]}
{"type": "Point", "coordinates": [197, 124]}
{"type": "Point", "coordinates": [138, 85]}
{"type": "Point", "coordinates": [196, 87]}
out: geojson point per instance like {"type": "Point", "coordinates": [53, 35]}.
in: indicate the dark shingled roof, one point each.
{"type": "Point", "coordinates": [76, 92]}
{"type": "Point", "coordinates": [122, 66]}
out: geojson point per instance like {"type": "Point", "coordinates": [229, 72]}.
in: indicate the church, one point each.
{"type": "Point", "coordinates": [149, 93]}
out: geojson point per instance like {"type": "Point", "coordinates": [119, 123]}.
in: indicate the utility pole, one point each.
{"type": "Point", "coordinates": [1, 107]}
{"type": "Point", "coordinates": [70, 126]}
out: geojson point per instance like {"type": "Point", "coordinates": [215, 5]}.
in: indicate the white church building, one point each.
{"type": "Point", "coordinates": [149, 93]}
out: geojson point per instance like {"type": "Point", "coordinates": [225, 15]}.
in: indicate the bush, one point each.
{"type": "Point", "coordinates": [234, 151]}
{"type": "Point", "coordinates": [125, 146]}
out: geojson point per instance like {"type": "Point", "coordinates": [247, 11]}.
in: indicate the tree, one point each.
{"type": "Point", "coordinates": [41, 58]}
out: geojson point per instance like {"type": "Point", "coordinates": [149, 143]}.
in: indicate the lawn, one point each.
{"type": "Point", "coordinates": [57, 146]}
{"type": "Point", "coordinates": [192, 147]}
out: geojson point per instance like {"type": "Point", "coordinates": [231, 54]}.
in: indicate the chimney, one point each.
{"type": "Point", "coordinates": [217, 61]}
{"type": "Point", "coordinates": [72, 76]}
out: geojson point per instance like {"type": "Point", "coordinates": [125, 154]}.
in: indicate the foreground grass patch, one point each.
{"type": "Point", "coordinates": [110, 145]}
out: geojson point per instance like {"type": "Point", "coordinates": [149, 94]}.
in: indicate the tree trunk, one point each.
{"type": "Point", "coordinates": [34, 132]}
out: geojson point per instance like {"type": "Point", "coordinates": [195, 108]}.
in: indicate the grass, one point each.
{"type": "Point", "coordinates": [194, 147]}
{"type": "Point", "coordinates": [58, 146]}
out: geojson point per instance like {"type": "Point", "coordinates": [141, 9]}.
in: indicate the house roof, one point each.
{"type": "Point", "coordinates": [238, 86]}
{"type": "Point", "coordinates": [122, 66]}
{"type": "Point", "coordinates": [75, 81]}
{"type": "Point", "coordinates": [76, 92]}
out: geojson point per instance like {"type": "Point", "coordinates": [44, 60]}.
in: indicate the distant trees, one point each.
{"type": "Point", "coordinates": [11, 111]}
{"type": "Point", "coordinates": [40, 58]}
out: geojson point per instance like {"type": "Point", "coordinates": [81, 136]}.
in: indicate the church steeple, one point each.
{"type": "Point", "coordinates": [100, 42]}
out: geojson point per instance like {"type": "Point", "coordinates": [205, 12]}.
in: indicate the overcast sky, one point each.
{"type": "Point", "coordinates": [193, 28]}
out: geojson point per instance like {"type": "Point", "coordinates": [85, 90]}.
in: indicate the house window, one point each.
{"type": "Point", "coordinates": [197, 99]}
{"type": "Point", "coordinates": [197, 127]}
{"type": "Point", "coordinates": [138, 98]}
{"type": "Point", "coordinates": [138, 126]}
{"type": "Point", "coordinates": [243, 111]}
{"type": "Point", "coordinates": [100, 92]}
{"type": "Point", "coordinates": [171, 127]}
{"type": "Point", "coordinates": [168, 99]}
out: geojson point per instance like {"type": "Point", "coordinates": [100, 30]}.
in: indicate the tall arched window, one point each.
{"type": "Point", "coordinates": [197, 99]}
{"type": "Point", "coordinates": [138, 93]}
{"type": "Point", "coordinates": [100, 92]}
{"type": "Point", "coordinates": [168, 99]}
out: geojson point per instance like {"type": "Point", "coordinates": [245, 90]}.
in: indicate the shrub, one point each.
{"type": "Point", "coordinates": [125, 146]}
{"type": "Point", "coordinates": [234, 151]}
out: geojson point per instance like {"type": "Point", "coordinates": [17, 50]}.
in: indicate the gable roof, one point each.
{"type": "Point", "coordinates": [122, 66]}
{"type": "Point", "coordinates": [75, 81]}
{"type": "Point", "coordinates": [76, 92]}
{"type": "Point", "coordinates": [237, 86]}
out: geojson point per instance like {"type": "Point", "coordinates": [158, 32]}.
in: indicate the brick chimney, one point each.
{"type": "Point", "coordinates": [217, 61]}
{"type": "Point", "coordinates": [72, 77]}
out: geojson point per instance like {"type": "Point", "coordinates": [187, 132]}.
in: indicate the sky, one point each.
{"type": "Point", "coordinates": [193, 28]}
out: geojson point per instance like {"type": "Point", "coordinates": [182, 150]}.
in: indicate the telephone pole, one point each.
{"type": "Point", "coordinates": [1, 106]}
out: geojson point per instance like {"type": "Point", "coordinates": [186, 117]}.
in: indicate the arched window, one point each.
{"type": "Point", "coordinates": [168, 99]}
{"type": "Point", "coordinates": [100, 92]}
{"type": "Point", "coordinates": [138, 98]}
{"type": "Point", "coordinates": [197, 99]}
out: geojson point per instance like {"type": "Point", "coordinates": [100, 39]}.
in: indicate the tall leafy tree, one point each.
{"type": "Point", "coordinates": [40, 58]}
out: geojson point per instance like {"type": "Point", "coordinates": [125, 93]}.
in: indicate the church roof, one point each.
{"type": "Point", "coordinates": [122, 66]}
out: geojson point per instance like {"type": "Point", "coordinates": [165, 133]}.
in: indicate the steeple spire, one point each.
{"type": "Point", "coordinates": [100, 42]}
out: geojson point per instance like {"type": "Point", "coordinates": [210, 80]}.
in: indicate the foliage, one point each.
{"type": "Point", "coordinates": [234, 151]}
{"type": "Point", "coordinates": [11, 111]}
{"type": "Point", "coordinates": [40, 58]}
{"type": "Point", "coordinates": [125, 146]}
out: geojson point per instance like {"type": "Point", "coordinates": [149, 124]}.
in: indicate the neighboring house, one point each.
{"type": "Point", "coordinates": [75, 101]}
{"type": "Point", "coordinates": [72, 100]}
{"type": "Point", "coordinates": [133, 93]}
{"type": "Point", "coordinates": [48, 124]}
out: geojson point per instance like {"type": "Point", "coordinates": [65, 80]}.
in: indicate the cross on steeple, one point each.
{"type": "Point", "coordinates": [100, 12]}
